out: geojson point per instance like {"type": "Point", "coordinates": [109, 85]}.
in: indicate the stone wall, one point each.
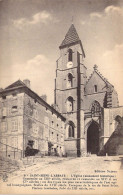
{"type": "Point", "coordinates": [42, 126]}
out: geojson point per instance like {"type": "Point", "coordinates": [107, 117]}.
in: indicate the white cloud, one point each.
{"type": "Point", "coordinates": [95, 15]}
{"type": "Point", "coordinates": [112, 9]}
{"type": "Point", "coordinates": [112, 67]}
{"type": "Point", "coordinates": [115, 55]}
{"type": "Point", "coordinates": [39, 70]}
{"type": "Point", "coordinates": [83, 22]}
{"type": "Point", "coordinates": [41, 17]}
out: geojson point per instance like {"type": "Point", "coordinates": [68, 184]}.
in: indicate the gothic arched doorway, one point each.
{"type": "Point", "coordinates": [93, 138]}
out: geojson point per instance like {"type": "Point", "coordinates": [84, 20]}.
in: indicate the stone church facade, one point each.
{"type": "Point", "coordinates": [85, 118]}
{"type": "Point", "coordinates": [90, 106]}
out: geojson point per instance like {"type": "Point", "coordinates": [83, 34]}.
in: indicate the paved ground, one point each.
{"type": "Point", "coordinates": [59, 165]}
{"type": "Point", "coordinates": [67, 166]}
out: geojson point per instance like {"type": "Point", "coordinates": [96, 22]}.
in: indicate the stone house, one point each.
{"type": "Point", "coordinates": [25, 117]}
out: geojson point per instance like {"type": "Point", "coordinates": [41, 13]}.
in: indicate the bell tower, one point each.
{"type": "Point", "coordinates": [69, 90]}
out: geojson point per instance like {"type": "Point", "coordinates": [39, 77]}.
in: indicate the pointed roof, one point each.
{"type": "Point", "coordinates": [71, 36]}
{"type": "Point", "coordinates": [18, 83]}
{"type": "Point", "coordinates": [100, 75]}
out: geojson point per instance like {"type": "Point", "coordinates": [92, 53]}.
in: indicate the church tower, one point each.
{"type": "Point", "coordinates": [69, 90]}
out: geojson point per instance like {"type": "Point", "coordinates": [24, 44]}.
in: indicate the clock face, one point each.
{"type": "Point", "coordinates": [69, 64]}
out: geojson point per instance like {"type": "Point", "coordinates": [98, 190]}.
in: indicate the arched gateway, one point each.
{"type": "Point", "coordinates": [93, 138]}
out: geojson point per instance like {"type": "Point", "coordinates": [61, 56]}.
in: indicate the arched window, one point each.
{"type": "Point", "coordinates": [69, 104]}
{"type": "Point", "coordinates": [95, 88]}
{"type": "Point", "coordinates": [70, 55]}
{"type": "Point", "coordinates": [95, 108]}
{"type": "Point", "coordinates": [70, 80]}
{"type": "Point", "coordinates": [71, 131]}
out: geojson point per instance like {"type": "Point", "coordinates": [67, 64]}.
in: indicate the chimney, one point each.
{"type": "Point", "coordinates": [44, 97]}
{"type": "Point", "coordinates": [27, 82]}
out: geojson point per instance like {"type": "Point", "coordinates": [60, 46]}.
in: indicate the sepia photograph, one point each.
{"type": "Point", "coordinates": [61, 97]}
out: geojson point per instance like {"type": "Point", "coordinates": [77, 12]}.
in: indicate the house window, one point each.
{"type": "Point", "coordinates": [52, 124]}
{"type": "Point", "coordinates": [70, 104]}
{"type": "Point", "coordinates": [95, 88]}
{"type": "Point", "coordinates": [70, 80]}
{"type": "Point", "coordinates": [3, 142]}
{"type": "Point", "coordinates": [71, 131]}
{"type": "Point", "coordinates": [4, 112]}
{"type": "Point", "coordinates": [14, 142]}
{"type": "Point", "coordinates": [62, 139]}
{"type": "Point", "coordinates": [3, 126]}
{"type": "Point", "coordinates": [70, 55]}
{"type": "Point", "coordinates": [52, 135]}
{"type": "Point", "coordinates": [35, 129]}
{"type": "Point", "coordinates": [14, 108]}
{"type": "Point", "coordinates": [14, 125]}
{"type": "Point", "coordinates": [57, 137]}
{"type": "Point", "coordinates": [46, 121]}
{"type": "Point", "coordinates": [36, 114]}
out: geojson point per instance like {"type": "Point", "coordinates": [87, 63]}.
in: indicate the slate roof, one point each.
{"type": "Point", "coordinates": [18, 83]}
{"type": "Point", "coordinates": [70, 37]}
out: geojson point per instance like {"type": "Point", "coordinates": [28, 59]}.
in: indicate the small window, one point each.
{"type": "Point", "coordinates": [36, 114]}
{"type": "Point", "coordinates": [3, 144]}
{"type": "Point", "coordinates": [95, 88]}
{"type": "Point", "coordinates": [14, 142]}
{"type": "Point", "coordinates": [35, 129]}
{"type": "Point", "coordinates": [52, 123]}
{"type": "Point", "coordinates": [14, 125]}
{"type": "Point", "coordinates": [14, 108]}
{"type": "Point", "coordinates": [3, 126]}
{"type": "Point", "coordinates": [4, 113]}
{"type": "Point", "coordinates": [70, 55]}
{"type": "Point", "coordinates": [70, 80]}
{"type": "Point", "coordinates": [57, 137]}
{"type": "Point", "coordinates": [70, 104]}
{"type": "Point", "coordinates": [71, 131]}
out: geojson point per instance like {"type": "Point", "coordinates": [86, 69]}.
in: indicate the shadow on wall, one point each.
{"type": "Point", "coordinates": [30, 151]}
{"type": "Point", "coordinates": [114, 145]}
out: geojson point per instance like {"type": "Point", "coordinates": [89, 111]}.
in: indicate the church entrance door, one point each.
{"type": "Point", "coordinates": [93, 138]}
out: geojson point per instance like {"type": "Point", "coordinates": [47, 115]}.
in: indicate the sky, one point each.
{"type": "Point", "coordinates": [31, 32]}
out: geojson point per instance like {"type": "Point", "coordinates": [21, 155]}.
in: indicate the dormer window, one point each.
{"type": "Point", "coordinates": [70, 55]}
{"type": "Point", "coordinates": [95, 88]}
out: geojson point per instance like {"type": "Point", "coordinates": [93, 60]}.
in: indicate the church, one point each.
{"type": "Point", "coordinates": [85, 118]}
{"type": "Point", "coordinates": [90, 106]}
